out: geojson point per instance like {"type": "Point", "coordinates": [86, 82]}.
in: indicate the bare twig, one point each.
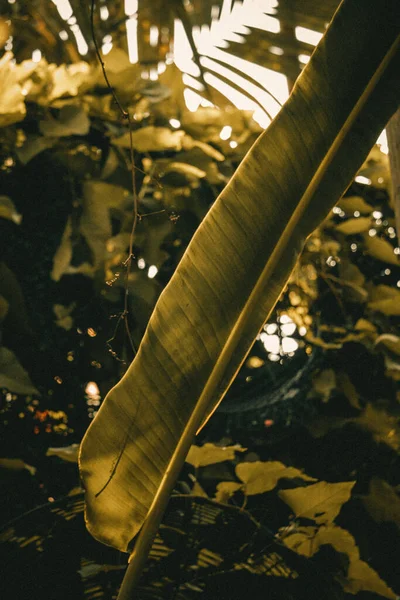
{"type": "Point", "coordinates": [128, 262]}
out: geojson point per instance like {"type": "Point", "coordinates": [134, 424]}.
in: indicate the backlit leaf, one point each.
{"type": "Point", "coordinates": [260, 477]}
{"type": "Point", "coordinates": [320, 502]}
{"type": "Point", "coordinates": [226, 489]}
{"type": "Point", "coordinates": [209, 454]}
{"type": "Point", "coordinates": [365, 325]}
{"type": "Point", "coordinates": [236, 267]}
{"type": "Point", "coordinates": [381, 249]}
{"type": "Point", "coordinates": [360, 576]}
{"type": "Point", "coordinates": [151, 139]}
{"type": "Point", "coordinates": [67, 453]}
{"type": "Point", "coordinates": [387, 306]}
{"type": "Point", "coordinates": [12, 105]}
{"type": "Point", "coordinates": [389, 341]}
{"type": "Point", "coordinates": [385, 299]}
{"type": "Point", "coordinates": [353, 226]}
{"type": "Point", "coordinates": [351, 204]}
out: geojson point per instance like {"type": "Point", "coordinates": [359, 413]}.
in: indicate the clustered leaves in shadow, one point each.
{"type": "Point", "coordinates": [66, 215]}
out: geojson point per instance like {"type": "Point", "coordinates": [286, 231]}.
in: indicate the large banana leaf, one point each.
{"type": "Point", "coordinates": [237, 264]}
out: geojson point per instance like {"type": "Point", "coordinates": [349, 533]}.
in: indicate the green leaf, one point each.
{"type": "Point", "coordinates": [260, 477]}
{"type": "Point", "coordinates": [235, 269]}
{"type": "Point", "coordinates": [320, 502]}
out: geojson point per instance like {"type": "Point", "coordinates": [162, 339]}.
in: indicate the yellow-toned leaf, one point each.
{"type": "Point", "coordinates": [8, 210]}
{"type": "Point", "coordinates": [152, 139]}
{"type": "Point", "coordinates": [320, 502]}
{"type": "Point", "coordinates": [347, 387]}
{"type": "Point", "coordinates": [12, 105]}
{"type": "Point", "coordinates": [360, 576]}
{"type": "Point", "coordinates": [323, 383]}
{"type": "Point", "coordinates": [353, 226]}
{"type": "Point", "coordinates": [376, 168]}
{"type": "Point", "coordinates": [382, 292]}
{"type": "Point", "coordinates": [197, 490]}
{"type": "Point", "coordinates": [351, 273]}
{"type": "Point", "coordinates": [320, 426]}
{"type": "Point", "coordinates": [113, 196]}
{"type": "Point", "coordinates": [352, 204]}
{"type": "Point", "coordinates": [301, 540]}
{"type": "Point", "coordinates": [389, 341]}
{"type": "Point", "coordinates": [67, 453]}
{"type": "Point", "coordinates": [63, 316]}
{"type": "Point", "coordinates": [11, 292]}
{"type": "Point", "coordinates": [71, 120]}
{"type": "Point", "coordinates": [207, 149]}
{"type": "Point", "coordinates": [209, 454]}
{"type": "Point", "coordinates": [260, 477]}
{"type": "Point", "coordinates": [3, 308]}
{"type": "Point", "coordinates": [389, 305]}
{"type": "Point", "coordinates": [365, 325]}
{"type": "Point", "coordinates": [321, 343]}
{"type": "Point", "coordinates": [384, 427]}
{"type": "Point", "coordinates": [189, 170]}
{"type": "Point", "coordinates": [67, 80]}
{"type": "Point", "coordinates": [382, 502]}
{"type": "Point", "coordinates": [94, 227]}
{"type": "Point", "coordinates": [13, 376]}
{"type": "Point", "coordinates": [226, 489]}
{"type": "Point", "coordinates": [235, 269]}
{"type": "Point", "coordinates": [381, 249]}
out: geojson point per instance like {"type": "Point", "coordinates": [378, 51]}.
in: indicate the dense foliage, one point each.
{"type": "Point", "coordinates": [316, 417]}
